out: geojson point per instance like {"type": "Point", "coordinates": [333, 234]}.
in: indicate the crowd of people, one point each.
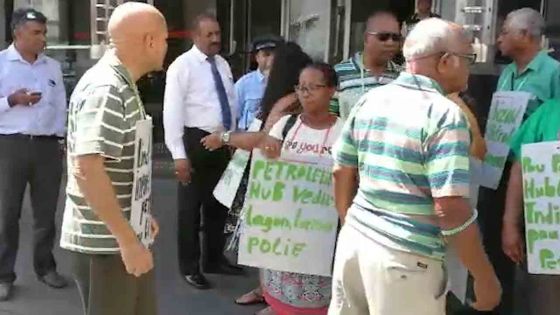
{"type": "Point", "coordinates": [403, 140]}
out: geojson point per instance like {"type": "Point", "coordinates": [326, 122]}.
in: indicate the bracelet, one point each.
{"type": "Point", "coordinates": [463, 227]}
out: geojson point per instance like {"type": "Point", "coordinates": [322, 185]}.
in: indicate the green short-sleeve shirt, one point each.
{"type": "Point", "coordinates": [104, 109]}
{"type": "Point", "coordinates": [543, 125]}
{"type": "Point", "coordinates": [541, 78]}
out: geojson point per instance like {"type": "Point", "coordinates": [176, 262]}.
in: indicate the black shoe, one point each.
{"type": "Point", "coordinates": [53, 280]}
{"type": "Point", "coordinates": [198, 281]}
{"type": "Point", "coordinates": [5, 291]}
{"type": "Point", "coordinates": [224, 269]}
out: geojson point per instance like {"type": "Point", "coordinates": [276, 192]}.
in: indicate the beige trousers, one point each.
{"type": "Point", "coordinates": [370, 278]}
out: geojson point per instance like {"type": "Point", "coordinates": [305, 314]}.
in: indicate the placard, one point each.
{"type": "Point", "coordinates": [541, 199]}
{"type": "Point", "coordinates": [141, 208]}
{"type": "Point", "coordinates": [505, 117]}
{"type": "Point", "coordinates": [227, 187]}
{"type": "Point", "coordinates": [290, 221]}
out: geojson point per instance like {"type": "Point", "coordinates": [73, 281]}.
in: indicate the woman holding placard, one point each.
{"type": "Point", "coordinates": [279, 99]}
{"type": "Point", "coordinates": [311, 136]}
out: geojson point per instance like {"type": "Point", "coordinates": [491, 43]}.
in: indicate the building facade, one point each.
{"type": "Point", "coordinates": [329, 30]}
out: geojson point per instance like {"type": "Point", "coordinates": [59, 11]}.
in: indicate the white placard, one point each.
{"type": "Point", "coordinates": [541, 198]}
{"type": "Point", "coordinates": [505, 117]}
{"type": "Point", "coordinates": [290, 221]}
{"type": "Point", "coordinates": [227, 187]}
{"type": "Point", "coordinates": [140, 216]}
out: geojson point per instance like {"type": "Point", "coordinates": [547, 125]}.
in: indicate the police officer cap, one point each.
{"type": "Point", "coordinates": [266, 42]}
{"type": "Point", "coordinates": [22, 15]}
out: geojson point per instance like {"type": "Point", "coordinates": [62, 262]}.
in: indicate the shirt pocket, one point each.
{"type": "Point", "coordinates": [50, 87]}
{"type": "Point", "coordinates": [253, 102]}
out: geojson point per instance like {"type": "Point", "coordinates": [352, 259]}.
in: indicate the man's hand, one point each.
{"type": "Point", "coordinates": [154, 228]}
{"type": "Point", "coordinates": [212, 141]}
{"type": "Point", "coordinates": [183, 171]}
{"type": "Point", "coordinates": [512, 242]}
{"type": "Point", "coordinates": [488, 292]}
{"type": "Point", "coordinates": [137, 259]}
{"type": "Point", "coordinates": [24, 98]}
{"type": "Point", "coordinates": [271, 147]}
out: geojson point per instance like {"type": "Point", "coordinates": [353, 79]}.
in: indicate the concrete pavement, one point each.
{"type": "Point", "coordinates": [175, 296]}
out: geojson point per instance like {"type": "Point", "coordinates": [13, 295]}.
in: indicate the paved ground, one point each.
{"type": "Point", "coordinates": [175, 296]}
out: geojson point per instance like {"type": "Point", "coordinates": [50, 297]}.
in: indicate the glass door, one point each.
{"type": "Point", "coordinates": [308, 23]}
{"type": "Point", "coordinates": [243, 21]}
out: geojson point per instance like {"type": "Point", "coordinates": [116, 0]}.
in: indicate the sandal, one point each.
{"type": "Point", "coordinates": [251, 298]}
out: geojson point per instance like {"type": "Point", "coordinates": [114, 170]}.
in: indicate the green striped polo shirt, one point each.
{"type": "Point", "coordinates": [355, 80]}
{"type": "Point", "coordinates": [410, 144]}
{"type": "Point", "coordinates": [104, 109]}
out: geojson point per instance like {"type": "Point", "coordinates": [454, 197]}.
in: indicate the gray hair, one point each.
{"type": "Point", "coordinates": [526, 19]}
{"type": "Point", "coordinates": [431, 36]}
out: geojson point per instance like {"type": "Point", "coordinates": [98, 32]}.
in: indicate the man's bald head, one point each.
{"type": "Point", "coordinates": [433, 36]}
{"type": "Point", "coordinates": [133, 20]}
{"type": "Point", "coordinates": [138, 34]}
{"type": "Point", "coordinates": [440, 50]}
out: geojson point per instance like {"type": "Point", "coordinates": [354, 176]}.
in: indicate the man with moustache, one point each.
{"type": "Point", "coordinates": [199, 100]}
{"type": "Point", "coordinates": [371, 68]}
{"type": "Point", "coordinates": [32, 123]}
{"type": "Point", "coordinates": [113, 269]}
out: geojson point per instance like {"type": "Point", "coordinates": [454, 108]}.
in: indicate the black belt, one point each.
{"type": "Point", "coordinates": [20, 136]}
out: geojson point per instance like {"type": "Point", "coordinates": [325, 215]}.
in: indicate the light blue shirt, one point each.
{"type": "Point", "coordinates": [250, 91]}
{"type": "Point", "coordinates": [48, 116]}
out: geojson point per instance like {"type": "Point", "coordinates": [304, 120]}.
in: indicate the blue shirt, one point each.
{"type": "Point", "coordinates": [48, 116]}
{"type": "Point", "coordinates": [249, 90]}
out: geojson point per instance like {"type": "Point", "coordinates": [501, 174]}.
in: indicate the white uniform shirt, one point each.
{"type": "Point", "coordinates": [191, 99]}
{"type": "Point", "coordinates": [48, 116]}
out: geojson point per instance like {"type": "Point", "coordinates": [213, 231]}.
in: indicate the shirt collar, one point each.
{"type": "Point", "coordinates": [14, 55]}
{"type": "Point", "coordinates": [419, 82]}
{"type": "Point", "coordinates": [260, 76]}
{"type": "Point", "coordinates": [534, 65]}
{"type": "Point", "coordinates": [113, 61]}
{"type": "Point", "coordinates": [198, 54]}
{"type": "Point", "coordinates": [358, 61]}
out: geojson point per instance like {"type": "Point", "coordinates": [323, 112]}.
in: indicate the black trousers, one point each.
{"type": "Point", "coordinates": [196, 200]}
{"type": "Point", "coordinates": [107, 289]}
{"type": "Point", "coordinates": [491, 205]}
{"type": "Point", "coordinates": [37, 162]}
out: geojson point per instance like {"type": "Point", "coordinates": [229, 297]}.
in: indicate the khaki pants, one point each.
{"type": "Point", "coordinates": [107, 289]}
{"type": "Point", "coordinates": [370, 278]}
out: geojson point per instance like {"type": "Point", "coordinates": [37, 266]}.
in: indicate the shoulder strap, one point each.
{"type": "Point", "coordinates": [289, 124]}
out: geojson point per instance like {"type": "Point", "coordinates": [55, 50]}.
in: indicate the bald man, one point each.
{"type": "Point", "coordinates": [112, 267]}
{"type": "Point", "coordinates": [411, 201]}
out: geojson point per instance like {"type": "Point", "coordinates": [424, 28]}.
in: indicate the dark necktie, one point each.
{"type": "Point", "coordinates": [222, 95]}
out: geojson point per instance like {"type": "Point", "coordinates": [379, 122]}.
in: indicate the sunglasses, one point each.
{"type": "Point", "coordinates": [384, 36]}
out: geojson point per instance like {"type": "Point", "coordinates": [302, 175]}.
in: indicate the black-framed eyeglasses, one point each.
{"type": "Point", "coordinates": [308, 88]}
{"type": "Point", "coordinates": [384, 36]}
{"type": "Point", "coordinates": [471, 58]}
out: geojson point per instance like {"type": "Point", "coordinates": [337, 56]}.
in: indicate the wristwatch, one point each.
{"type": "Point", "coordinates": [225, 137]}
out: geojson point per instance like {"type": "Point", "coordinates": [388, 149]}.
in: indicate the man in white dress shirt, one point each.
{"type": "Point", "coordinates": [199, 100]}
{"type": "Point", "coordinates": [32, 122]}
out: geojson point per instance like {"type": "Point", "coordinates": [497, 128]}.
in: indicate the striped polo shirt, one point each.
{"type": "Point", "coordinates": [410, 144]}
{"type": "Point", "coordinates": [355, 80]}
{"type": "Point", "coordinates": [104, 109]}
